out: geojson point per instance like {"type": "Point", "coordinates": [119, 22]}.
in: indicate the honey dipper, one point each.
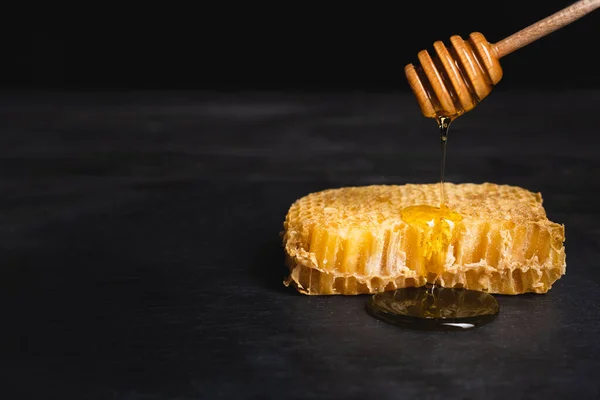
{"type": "Point", "coordinates": [457, 78]}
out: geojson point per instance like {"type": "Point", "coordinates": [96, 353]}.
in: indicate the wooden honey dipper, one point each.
{"type": "Point", "coordinates": [455, 80]}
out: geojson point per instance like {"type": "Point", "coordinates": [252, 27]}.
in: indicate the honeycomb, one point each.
{"type": "Point", "coordinates": [369, 239]}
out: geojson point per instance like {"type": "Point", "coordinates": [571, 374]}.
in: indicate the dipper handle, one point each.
{"type": "Point", "coordinates": [545, 26]}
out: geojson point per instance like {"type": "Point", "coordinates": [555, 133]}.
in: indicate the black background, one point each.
{"type": "Point", "coordinates": [293, 46]}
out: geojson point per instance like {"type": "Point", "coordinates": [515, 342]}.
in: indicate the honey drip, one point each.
{"type": "Point", "coordinates": [444, 125]}
{"type": "Point", "coordinates": [433, 228]}
{"type": "Point", "coordinates": [432, 307]}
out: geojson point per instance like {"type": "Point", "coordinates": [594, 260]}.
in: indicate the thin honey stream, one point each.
{"type": "Point", "coordinates": [444, 125]}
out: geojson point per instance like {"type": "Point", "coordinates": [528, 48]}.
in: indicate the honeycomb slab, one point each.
{"type": "Point", "coordinates": [370, 239]}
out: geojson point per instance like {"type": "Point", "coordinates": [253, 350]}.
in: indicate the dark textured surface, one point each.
{"type": "Point", "coordinates": [140, 256]}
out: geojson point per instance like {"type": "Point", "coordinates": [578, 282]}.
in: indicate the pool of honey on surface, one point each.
{"type": "Point", "coordinates": [433, 307]}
